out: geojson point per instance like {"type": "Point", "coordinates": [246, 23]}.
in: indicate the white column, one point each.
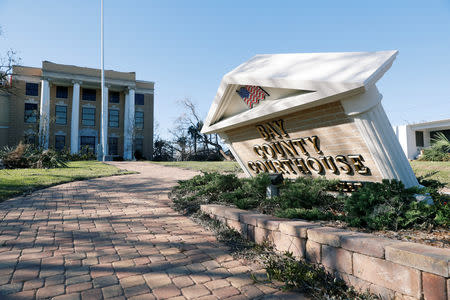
{"type": "Point", "coordinates": [384, 146]}
{"type": "Point", "coordinates": [75, 121]}
{"type": "Point", "coordinates": [128, 126]}
{"type": "Point", "coordinates": [44, 114]}
{"type": "Point", "coordinates": [376, 130]}
{"type": "Point", "coordinates": [104, 124]}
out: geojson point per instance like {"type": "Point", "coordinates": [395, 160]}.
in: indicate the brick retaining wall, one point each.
{"type": "Point", "coordinates": [390, 268]}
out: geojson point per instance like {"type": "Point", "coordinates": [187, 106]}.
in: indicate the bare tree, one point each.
{"type": "Point", "coordinates": [194, 124]}
{"type": "Point", "coordinates": [7, 63]}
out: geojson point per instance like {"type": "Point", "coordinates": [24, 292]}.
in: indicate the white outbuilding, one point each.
{"type": "Point", "coordinates": [415, 137]}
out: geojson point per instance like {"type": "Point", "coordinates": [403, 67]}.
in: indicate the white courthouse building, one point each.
{"type": "Point", "coordinates": [60, 106]}
{"type": "Point", "coordinates": [415, 137]}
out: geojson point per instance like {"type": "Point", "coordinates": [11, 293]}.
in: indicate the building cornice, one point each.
{"type": "Point", "coordinates": [86, 79]}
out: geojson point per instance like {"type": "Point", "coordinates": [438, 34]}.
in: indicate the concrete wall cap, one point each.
{"type": "Point", "coordinates": [270, 224]}
{"type": "Point", "coordinates": [423, 257]}
{"type": "Point", "coordinates": [366, 244]}
{"type": "Point", "coordinates": [328, 235]}
{"type": "Point", "coordinates": [296, 228]}
{"type": "Point", "coordinates": [251, 218]}
{"type": "Point", "coordinates": [232, 213]}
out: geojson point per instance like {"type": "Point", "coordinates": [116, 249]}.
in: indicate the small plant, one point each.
{"type": "Point", "coordinates": [375, 206]}
{"type": "Point", "coordinates": [378, 205]}
{"type": "Point", "coordinates": [439, 150]}
{"type": "Point", "coordinates": [306, 214]}
{"type": "Point", "coordinates": [388, 205]}
{"type": "Point", "coordinates": [28, 156]}
{"type": "Point", "coordinates": [309, 278]}
{"type": "Point", "coordinates": [306, 192]}
{"type": "Point", "coordinates": [84, 154]}
{"type": "Point", "coordinates": [203, 189]}
{"type": "Point", "coordinates": [250, 194]}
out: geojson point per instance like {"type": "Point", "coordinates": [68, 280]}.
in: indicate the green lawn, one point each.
{"type": "Point", "coordinates": [204, 166]}
{"type": "Point", "coordinates": [438, 170]}
{"type": "Point", "coordinates": [19, 181]}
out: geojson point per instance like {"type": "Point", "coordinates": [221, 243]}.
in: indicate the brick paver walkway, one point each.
{"type": "Point", "coordinates": [116, 238]}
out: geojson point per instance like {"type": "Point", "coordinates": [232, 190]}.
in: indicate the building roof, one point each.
{"type": "Point", "coordinates": [68, 72]}
{"type": "Point", "coordinates": [319, 75]}
{"type": "Point", "coordinates": [430, 124]}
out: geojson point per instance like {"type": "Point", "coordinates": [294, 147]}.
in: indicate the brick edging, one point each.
{"type": "Point", "coordinates": [390, 268]}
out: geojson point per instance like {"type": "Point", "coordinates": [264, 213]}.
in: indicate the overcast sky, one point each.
{"type": "Point", "coordinates": [187, 46]}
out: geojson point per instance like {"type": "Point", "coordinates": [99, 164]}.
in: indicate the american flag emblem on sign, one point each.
{"type": "Point", "coordinates": [252, 94]}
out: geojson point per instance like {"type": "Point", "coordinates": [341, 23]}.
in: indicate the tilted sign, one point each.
{"type": "Point", "coordinates": [317, 114]}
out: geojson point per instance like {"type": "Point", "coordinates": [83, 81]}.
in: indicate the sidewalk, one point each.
{"type": "Point", "coordinates": [117, 238]}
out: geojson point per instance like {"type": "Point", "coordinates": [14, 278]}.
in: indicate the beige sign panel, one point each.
{"type": "Point", "coordinates": [295, 145]}
{"type": "Point", "coordinates": [310, 115]}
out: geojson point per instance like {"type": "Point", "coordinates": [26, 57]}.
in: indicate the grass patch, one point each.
{"type": "Point", "coordinates": [18, 181]}
{"type": "Point", "coordinates": [204, 166]}
{"type": "Point", "coordinates": [437, 170]}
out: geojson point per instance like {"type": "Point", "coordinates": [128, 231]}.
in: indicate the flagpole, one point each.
{"type": "Point", "coordinates": [102, 53]}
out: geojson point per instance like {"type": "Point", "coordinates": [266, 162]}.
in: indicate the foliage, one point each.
{"type": "Point", "coordinates": [138, 155]}
{"type": "Point", "coordinates": [375, 206]}
{"type": "Point", "coordinates": [82, 155]}
{"type": "Point", "coordinates": [306, 214]}
{"type": "Point", "coordinates": [28, 156]}
{"type": "Point", "coordinates": [388, 205]}
{"type": "Point", "coordinates": [439, 150]}
{"type": "Point", "coordinates": [162, 150]}
{"type": "Point", "coordinates": [306, 192]}
{"type": "Point", "coordinates": [203, 189]}
{"type": "Point", "coordinates": [309, 278]}
{"type": "Point", "coordinates": [250, 194]}
{"type": "Point", "coordinates": [18, 181]}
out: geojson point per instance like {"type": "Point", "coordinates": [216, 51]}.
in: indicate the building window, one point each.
{"type": "Point", "coordinates": [88, 116]}
{"type": "Point", "coordinates": [114, 97]}
{"type": "Point", "coordinates": [139, 145]}
{"type": "Point", "coordinates": [113, 143]}
{"type": "Point", "coordinates": [139, 119]}
{"type": "Point", "coordinates": [433, 134]}
{"type": "Point", "coordinates": [113, 118]}
{"type": "Point", "coordinates": [31, 113]}
{"type": "Point", "coordinates": [60, 142]}
{"type": "Point", "coordinates": [31, 89]}
{"type": "Point", "coordinates": [139, 99]}
{"type": "Point", "coordinates": [62, 92]}
{"type": "Point", "coordinates": [89, 95]}
{"type": "Point", "coordinates": [419, 139]}
{"type": "Point", "coordinates": [88, 142]}
{"type": "Point", "coordinates": [61, 114]}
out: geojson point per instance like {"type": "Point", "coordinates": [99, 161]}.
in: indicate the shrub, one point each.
{"type": "Point", "coordinates": [388, 205]}
{"type": "Point", "coordinates": [375, 206]}
{"type": "Point", "coordinates": [309, 278]}
{"type": "Point", "coordinates": [439, 150]}
{"type": "Point", "coordinates": [84, 154]}
{"type": "Point", "coordinates": [306, 198]}
{"type": "Point", "coordinates": [27, 156]}
{"type": "Point", "coordinates": [378, 205]}
{"type": "Point", "coordinates": [48, 159]}
{"type": "Point", "coordinates": [16, 158]}
{"type": "Point", "coordinates": [203, 189]}
{"type": "Point", "coordinates": [306, 214]}
{"type": "Point", "coordinates": [250, 194]}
